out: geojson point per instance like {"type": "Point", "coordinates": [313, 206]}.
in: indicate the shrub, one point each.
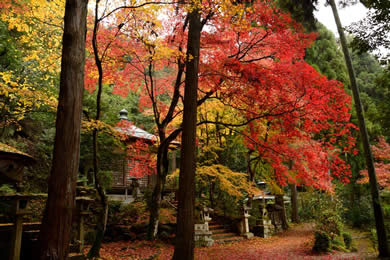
{"type": "Point", "coordinates": [113, 212]}
{"type": "Point", "coordinates": [347, 240]}
{"type": "Point", "coordinates": [135, 212]}
{"type": "Point", "coordinates": [374, 238]}
{"type": "Point", "coordinates": [330, 223]}
{"type": "Point", "coordinates": [321, 242]}
{"type": "Point", "coordinates": [329, 227]}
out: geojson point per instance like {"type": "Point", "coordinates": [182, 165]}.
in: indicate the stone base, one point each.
{"type": "Point", "coordinates": [265, 230]}
{"type": "Point", "coordinates": [203, 241]}
{"type": "Point", "coordinates": [202, 236]}
{"type": "Point", "coordinates": [247, 235]}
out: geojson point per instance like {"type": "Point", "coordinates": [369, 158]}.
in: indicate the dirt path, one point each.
{"type": "Point", "coordinates": [296, 243]}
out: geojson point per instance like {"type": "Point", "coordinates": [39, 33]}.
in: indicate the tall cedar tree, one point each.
{"type": "Point", "coordinates": [378, 212]}
{"type": "Point", "coordinates": [184, 248]}
{"type": "Point", "coordinates": [57, 220]}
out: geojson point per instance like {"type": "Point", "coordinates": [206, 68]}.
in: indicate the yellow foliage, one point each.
{"type": "Point", "coordinates": [40, 23]}
{"type": "Point", "coordinates": [39, 38]}
{"type": "Point", "coordinates": [90, 125]}
{"type": "Point", "coordinates": [235, 184]}
{"type": "Point", "coordinates": [20, 98]}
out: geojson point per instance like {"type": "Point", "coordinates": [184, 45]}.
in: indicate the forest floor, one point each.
{"type": "Point", "coordinates": [296, 243]}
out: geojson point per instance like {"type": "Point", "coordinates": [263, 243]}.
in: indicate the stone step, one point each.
{"type": "Point", "coordinates": [218, 231]}
{"type": "Point", "coordinates": [214, 227]}
{"type": "Point", "coordinates": [228, 239]}
{"type": "Point", "coordinates": [223, 235]}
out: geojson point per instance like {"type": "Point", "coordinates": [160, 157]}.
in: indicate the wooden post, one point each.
{"type": "Point", "coordinates": [81, 232]}
{"type": "Point", "coordinates": [16, 239]}
{"type": "Point", "coordinates": [16, 245]}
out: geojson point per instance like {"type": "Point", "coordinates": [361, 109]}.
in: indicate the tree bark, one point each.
{"type": "Point", "coordinates": [378, 212]}
{"type": "Point", "coordinates": [280, 202]}
{"type": "Point", "coordinates": [294, 203]}
{"type": "Point", "coordinates": [57, 220]}
{"type": "Point", "coordinates": [184, 247]}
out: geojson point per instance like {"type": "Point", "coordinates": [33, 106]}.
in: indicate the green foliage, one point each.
{"type": "Point", "coordinates": [6, 189]}
{"type": "Point", "coordinates": [127, 214]}
{"type": "Point", "coordinates": [113, 211]}
{"type": "Point", "coordinates": [373, 83]}
{"type": "Point", "coordinates": [105, 179]}
{"type": "Point", "coordinates": [314, 204]}
{"type": "Point", "coordinates": [329, 227]}
{"type": "Point", "coordinates": [233, 154]}
{"type": "Point", "coordinates": [321, 242]}
{"type": "Point", "coordinates": [374, 238]}
{"type": "Point", "coordinates": [347, 240]}
{"type": "Point", "coordinates": [329, 221]}
{"type": "Point", "coordinates": [326, 56]}
{"type": "Point", "coordinates": [111, 105]}
{"type": "Point", "coordinates": [382, 82]}
{"type": "Point", "coordinates": [9, 55]}
{"type": "Point", "coordinates": [301, 11]}
{"type": "Point", "coordinates": [356, 202]}
{"type": "Point", "coordinates": [360, 215]}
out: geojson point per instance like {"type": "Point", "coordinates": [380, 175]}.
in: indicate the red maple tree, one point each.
{"type": "Point", "coordinates": [381, 152]}
{"type": "Point", "coordinates": [253, 62]}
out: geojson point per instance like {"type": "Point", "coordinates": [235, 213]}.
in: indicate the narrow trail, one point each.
{"type": "Point", "coordinates": [296, 243]}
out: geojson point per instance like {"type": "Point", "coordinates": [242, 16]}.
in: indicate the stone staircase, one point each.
{"type": "Point", "coordinates": [221, 234]}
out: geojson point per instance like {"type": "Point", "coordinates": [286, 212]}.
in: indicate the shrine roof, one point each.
{"type": "Point", "coordinates": [6, 150]}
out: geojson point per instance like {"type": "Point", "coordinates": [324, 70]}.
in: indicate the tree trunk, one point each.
{"type": "Point", "coordinates": [280, 202]}
{"type": "Point", "coordinates": [57, 220]}
{"type": "Point", "coordinates": [378, 212]}
{"type": "Point", "coordinates": [294, 203]}
{"type": "Point", "coordinates": [184, 247]}
{"type": "Point", "coordinates": [155, 209]}
{"type": "Point", "coordinates": [162, 171]}
{"type": "Point", "coordinates": [211, 192]}
{"type": "Point", "coordinates": [102, 220]}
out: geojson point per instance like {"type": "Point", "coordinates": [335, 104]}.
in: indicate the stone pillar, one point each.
{"type": "Point", "coordinates": [173, 160]}
{"type": "Point", "coordinates": [244, 230]}
{"type": "Point", "coordinates": [83, 211]}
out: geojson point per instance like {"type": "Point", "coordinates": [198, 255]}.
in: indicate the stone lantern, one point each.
{"type": "Point", "coordinates": [202, 235]}
{"type": "Point", "coordinates": [244, 224]}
